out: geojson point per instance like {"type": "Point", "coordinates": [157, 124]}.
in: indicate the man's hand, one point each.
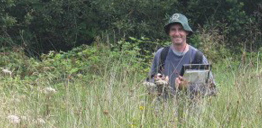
{"type": "Point", "coordinates": [181, 83]}
{"type": "Point", "coordinates": [161, 79]}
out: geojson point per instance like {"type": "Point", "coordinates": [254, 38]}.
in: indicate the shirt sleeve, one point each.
{"type": "Point", "coordinates": [154, 66]}
{"type": "Point", "coordinates": [205, 61]}
{"type": "Point", "coordinates": [211, 78]}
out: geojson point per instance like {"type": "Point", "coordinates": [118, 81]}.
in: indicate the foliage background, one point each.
{"type": "Point", "coordinates": [43, 25]}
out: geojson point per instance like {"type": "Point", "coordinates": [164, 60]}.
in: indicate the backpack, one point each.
{"type": "Point", "coordinates": [198, 59]}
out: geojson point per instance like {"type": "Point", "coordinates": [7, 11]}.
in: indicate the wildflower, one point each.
{"type": "Point", "coordinates": [132, 126]}
{"type": "Point", "coordinates": [142, 108]}
{"type": "Point", "coordinates": [6, 71]}
{"type": "Point", "coordinates": [49, 90]}
{"type": "Point", "coordinates": [40, 121]}
{"type": "Point", "coordinates": [13, 119]}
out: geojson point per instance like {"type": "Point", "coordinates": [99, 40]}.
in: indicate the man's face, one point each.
{"type": "Point", "coordinates": [177, 34]}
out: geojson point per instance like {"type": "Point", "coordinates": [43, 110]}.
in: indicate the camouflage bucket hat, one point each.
{"type": "Point", "coordinates": [178, 18]}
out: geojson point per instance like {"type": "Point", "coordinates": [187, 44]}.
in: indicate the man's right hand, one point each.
{"type": "Point", "coordinates": [181, 83]}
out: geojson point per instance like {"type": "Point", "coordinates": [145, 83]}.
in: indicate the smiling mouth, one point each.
{"type": "Point", "coordinates": [177, 38]}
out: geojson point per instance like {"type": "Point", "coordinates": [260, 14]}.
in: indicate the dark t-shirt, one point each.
{"type": "Point", "coordinates": [174, 63]}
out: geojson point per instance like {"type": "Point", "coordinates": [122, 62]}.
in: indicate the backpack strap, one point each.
{"type": "Point", "coordinates": [160, 67]}
{"type": "Point", "coordinates": [198, 59]}
{"type": "Point", "coordinates": [162, 59]}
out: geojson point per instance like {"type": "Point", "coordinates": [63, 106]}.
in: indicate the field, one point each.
{"type": "Point", "coordinates": [68, 91]}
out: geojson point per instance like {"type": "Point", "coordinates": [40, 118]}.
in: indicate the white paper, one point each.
{"type": "Point", "coordinates": [196, 76]}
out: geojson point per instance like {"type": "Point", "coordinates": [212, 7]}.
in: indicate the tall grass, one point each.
{"type": "Point", "coordinates": [113, 96]}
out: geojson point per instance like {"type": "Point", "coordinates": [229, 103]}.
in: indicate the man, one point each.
{"type": "Point", "coordinates": [177, 54]}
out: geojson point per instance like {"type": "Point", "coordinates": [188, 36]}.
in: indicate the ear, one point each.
{"type": "Point", "coordinates": [187, 33]}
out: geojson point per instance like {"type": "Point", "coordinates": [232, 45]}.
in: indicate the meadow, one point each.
{"type": "Point", "coordinates": [82, 63]}
{"type": "Point", "coordinates": [93, 86]}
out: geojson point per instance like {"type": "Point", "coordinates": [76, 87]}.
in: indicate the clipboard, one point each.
{"type": "Point", "coordinates": [196, 73]}
{"type": "Point", "coordinates": [194, 67]}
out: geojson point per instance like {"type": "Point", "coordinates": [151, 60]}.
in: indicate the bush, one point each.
{"type": "Point", "coordinates": [40, 26]}
{"type": "Point", "coordinates": [212, 44]}
{"type": "Point", "coordinates": [84, 60]}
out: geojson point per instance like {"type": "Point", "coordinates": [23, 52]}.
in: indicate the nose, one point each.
{"type": "Point", "coordinates": [176, 33]}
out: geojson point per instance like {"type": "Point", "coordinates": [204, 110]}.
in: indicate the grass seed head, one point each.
{"type": "Point", "coordinates": [106, 112]}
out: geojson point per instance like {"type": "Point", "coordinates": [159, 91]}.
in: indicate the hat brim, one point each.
{"type": "Point", "coordinates": [185, 27]}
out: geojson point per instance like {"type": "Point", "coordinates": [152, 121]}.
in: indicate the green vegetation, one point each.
{"type": "Point", "coordinates": [101, 86]}
{"type": "Point", "coordinates": [72, 84]}
{"type": "Point", "coordinates": [40, 26]}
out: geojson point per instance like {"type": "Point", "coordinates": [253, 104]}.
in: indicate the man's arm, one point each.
{"type": "Point", "coordinates": [211, 77]}
{"type": "Point", "coordinates": [213, 90]}
{"type": "Point", "coordinates": [154, 66]}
